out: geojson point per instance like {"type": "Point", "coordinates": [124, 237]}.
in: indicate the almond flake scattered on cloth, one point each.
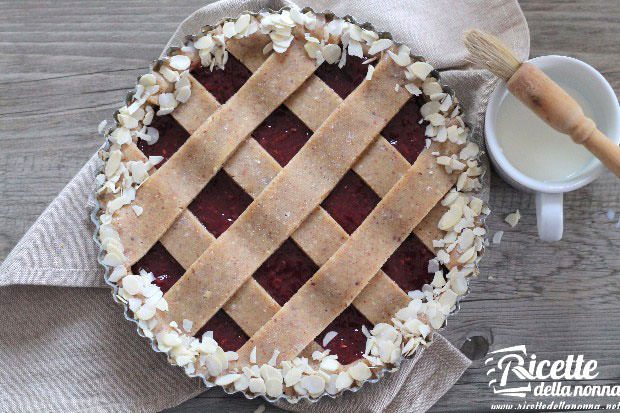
{"type": "Point", "coordinates": [497, 237]}
{"type": "Point", "coordinates": [513, 218]}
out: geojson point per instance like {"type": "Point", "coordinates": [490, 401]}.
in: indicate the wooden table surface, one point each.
{"type": "Point", "coordinates": [65, 65]}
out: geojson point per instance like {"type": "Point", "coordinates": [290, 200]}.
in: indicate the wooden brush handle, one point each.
{"type": "Point", "coordinates": [560, 111]}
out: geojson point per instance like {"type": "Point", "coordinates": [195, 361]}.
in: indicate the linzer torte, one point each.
{"type": "Point", "coordinates": [287, 206]}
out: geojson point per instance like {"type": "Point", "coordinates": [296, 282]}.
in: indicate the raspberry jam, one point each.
{"type": "Point", "coordinates": [171, 137]}
{"type": "Point", "coordinates": [282, 135]}
{"type": "Point", "coordinates": [220, 203]}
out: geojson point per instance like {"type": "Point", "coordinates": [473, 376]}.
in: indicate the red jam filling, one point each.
{"type": "Point", "coordinates": [282, 135]}
{"type": "Point", "coordinates": [226, 332]}
{"type": "Point", "coordinates": [350, 202]}
{"type": "Point", "coordinates": [171, 137]}
{"type": "Point", "coordinates": [222, 84]}
{"type": "Point", "coordinates": [344, 81]}
{"type": "Point", "coordinates": [285, 272]}
{"type": "Point", "coordinates": [408, 266]}
{"type": "Point", "coordinates": [221, 202]}
{"type": "Point", "coordinates": [166, 269]}
{"type": "Point", "coordinates": [350, 343]}
{"type": "Point", "coordinates": [404, 131]}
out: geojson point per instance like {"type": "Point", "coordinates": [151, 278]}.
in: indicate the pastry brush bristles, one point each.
{"type": "Point", "coordinates": [489, 52]}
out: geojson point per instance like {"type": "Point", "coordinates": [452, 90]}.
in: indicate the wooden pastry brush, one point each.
{"type": "Point", "coordinates": [542, 95]}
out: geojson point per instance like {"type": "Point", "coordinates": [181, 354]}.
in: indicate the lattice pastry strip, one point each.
{"type": "Point", "coordinates": [319, 236]}
{"type": "Point", "coordinates": [288, 199]}
{"type": "Point", "coordinates": [381, 166]}
{"type": "Point", "coordinates": [380, 286]}
{"type": "Point", "coordinates": [170, 190]}
{"type": "Point", "coordinates": [251, 306]}
{"type": "Point", "coordinates": [336, 284]}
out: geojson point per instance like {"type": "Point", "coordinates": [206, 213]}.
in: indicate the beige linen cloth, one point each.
{"type": "Point", "coordinates": [70, 349]}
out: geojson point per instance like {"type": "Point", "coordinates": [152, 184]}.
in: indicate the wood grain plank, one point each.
{"type": "Point", "coordinates": [65, 65]}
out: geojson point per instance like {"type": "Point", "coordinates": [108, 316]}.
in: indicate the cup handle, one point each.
{"type": "Point", "coordinates": [550, 216]}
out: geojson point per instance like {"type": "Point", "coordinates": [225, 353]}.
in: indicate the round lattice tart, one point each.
{"type": "Point", "coordinates": [287, 205]}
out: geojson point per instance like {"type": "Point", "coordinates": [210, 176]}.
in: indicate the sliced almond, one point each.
{"type": "Point", "coordinates": [467, 255]}
{"type": "Point", "coordinates": [329, 364]}
{"type": "Point", "coordinates": [137, 209]}
{"type": "Point", "coordinates": [205, 42]}
{"type": "Point", "coordinates": [444, 160]}
{"type": "Point", "coordinates": [242, 23]}
{"type": "Point", "coordinates": [402, 57]}
{"type": "Point", "coordinates": [436, 119]}
{"type": "Point", "coordinates": [344, 381]}
{"type": "Point", "coordinates": [451, 217]}
{"type": "Point", "coordinates": [329, 336]}
{"type": "Point", "coordinates": [420, 69]}
{"type": "Point", "coordinates": [413, 89]}
{"type": "Point", "coordinates": [180, 62]}
{"type": "Point", "coordinates": [113, 162]}
{"type": "Point", "coordinates": [183, 94]}
{"type": "Point", "coordinates": [513, 218]}
{"type": "Point", "coordinates": [242, 383]}
{"type": "Point", "coordinates": [331, 53]}
{"type": "Point", "coordinates": [227, 379]}
{"type": "Point", "coordinates": [229, 29]}
{"type": "Point", "coordinates": [132, 284]}
{"type": "Point", "coordinates": [257, 385]}
{"type": "Point", "coordinates": [470, 150]}
{"type": "Point", "coordinates": [379, 46]}
{"type": "Point", "coordinates": [293, 376]}
{"type": "Point", "coordinates": [371, 70]}
{"type": "Point", "coordinates": [169, 74]}
{"type": "Point", "coordinates": [117, 274]}
{"type": "Point", "coordinates": [359, 372]}
{"type": "Point", "coordinates": [476, 205]}
{"type": "Point", "coordinates": [273, 388]}
{"type": "Point", "coordinates": [431, 87]}
{"type": "Point", "coordinates": [429, 108]}
{"type": "Point", "coordinates": [446, 104]}
{"type": "Point", "coordinates": [497, 237]}
{"type": "Point", "coordinates": [315, 384]}
{"type": "Point", "coordinates": [355, 49]}
{"type": "Point", "coordinates": [146, 312]}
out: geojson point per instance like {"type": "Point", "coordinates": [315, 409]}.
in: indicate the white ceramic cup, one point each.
{"type": "Point", "coordinates": [549, 195]}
